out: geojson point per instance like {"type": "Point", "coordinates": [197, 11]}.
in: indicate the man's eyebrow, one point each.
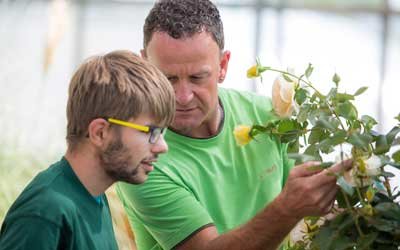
{"type": "Point", "coordinates": [201, 72]}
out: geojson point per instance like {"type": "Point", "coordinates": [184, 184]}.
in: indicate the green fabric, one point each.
{"type": "Point", "coordinates": [203, 181]}
{"type": "Point", "coordinates": [55, 211]}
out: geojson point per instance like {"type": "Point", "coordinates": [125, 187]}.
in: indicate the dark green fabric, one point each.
{"type": "Point", "coordinates": [55, 211]}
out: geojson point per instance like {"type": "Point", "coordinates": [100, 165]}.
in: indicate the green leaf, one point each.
{"type": "Point", "coordinates": [389, 210]}
{"type": "Point", "coordinates": [293, 146]}
{"type": "Point", "coordinates": [313, 151]}
{"type": "Point", "coordinates": [314, 97]}
{"type": "Point", "coordinates": [393, 164]}
{"type": "Point", "coordinates": [353, 199]}
{"type": "Point", "coordinates": [332, 93]}
{"type": "Point", "coordinates": [366, 241]}
{"type": "Point", "coordinates": [342, 97]}
{"type": "Point", "coordinates": [338, 137]}
{"type": "Point", "coordinates": [346, 110]}
{"type": "Point", "coordinates": [258, 129]}
{"type": "Point", "coordinates": [317, 134]}
{"type": "Point", "coordinates": [326, 146]}
{"type": "Point", "coordinates": [309, 70]}
{"type": "Point", "coordinates": [287, 78]}
{"type": "Point", "coordinates": [345, 186]}
{"type": "Point", "coordinates": [324, 239]}
{"type": "Point", "coordinates": [289, 130]}
{"type": "Point", "coordinates": [381, 145]}
{"type": "Point", "coordinates": [392, 134]}
{"type": "Point", "coordinates": [360, 140]}
{"type": "Point", "coordinates": [387, 174]}
{"type": "Point", "coordinates": [303, 113]}
{"type": "Point", "coordinates": [368, 121]}
{"type": "Point", "coordinates": [384, 225]}
{"type": "Point", "coordinates": [328, 123]}
{"type": "Point", "coordinates": [336, 79]}
{"type": "Point", "coordinates": [342, 243]}
{"type": "Point", "coordinates": [354, 125]}
{"type": "Point", "coordinates": [360, 91]}
{"type": "Point", "coordinates": [397, 117]}
{"type": "Point", "coordinates": [396, 156]}
{"type": "Point", "coordinates": [300, 96]}
{"type": "Point", "coordinates": [301, 157]}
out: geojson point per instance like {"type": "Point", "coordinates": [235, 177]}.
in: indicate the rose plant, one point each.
{"type": "Point", "coordinates": [315, 125]}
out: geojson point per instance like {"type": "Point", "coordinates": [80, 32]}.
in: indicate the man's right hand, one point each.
{"type": "Point", "coordinates": [310, 192]}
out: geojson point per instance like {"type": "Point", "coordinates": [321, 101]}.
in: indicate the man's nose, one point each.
{"type": "Point", "coordinates": [160, 146]}
{"type": "Point", "coordinates": [183, 93]}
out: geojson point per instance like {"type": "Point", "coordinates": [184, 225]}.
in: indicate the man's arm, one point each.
{"type": "Point", "coordinates": [307, 192]}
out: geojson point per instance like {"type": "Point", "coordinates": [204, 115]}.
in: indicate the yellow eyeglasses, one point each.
{"type": "Point", "coordinates": [155, 132]}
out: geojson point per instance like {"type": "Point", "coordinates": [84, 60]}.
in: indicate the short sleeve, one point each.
{"type": "Point", "coordinates": [167, 210]}
{"type": "Point", "coordinates": [29, 232]}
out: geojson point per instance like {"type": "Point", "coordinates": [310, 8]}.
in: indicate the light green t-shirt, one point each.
{"type": "Point", "coordinates": [208, 181]}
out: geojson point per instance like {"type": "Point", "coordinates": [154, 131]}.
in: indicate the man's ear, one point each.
{"type": "Point", "coordinates": [226, 55]}
{"type": "Point", "coordinates": [99, 131]}
{"type": "Point", "coordinates": [143, 53]}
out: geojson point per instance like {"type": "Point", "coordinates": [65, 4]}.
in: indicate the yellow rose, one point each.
{"type": "Point", "coordinates": [283, 97]}
{"type": "Point", "coordinates": [253, 72]}
{"type": "Point", "coordinates": [361, 175]}
{"type": "Point", "coordinates": [242, 135]}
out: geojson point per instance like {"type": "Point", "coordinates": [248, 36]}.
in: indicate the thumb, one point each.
{"type": "Point", "coordinates": [306, 169]}
{"type": "Point", "coordinates": [341, 166]}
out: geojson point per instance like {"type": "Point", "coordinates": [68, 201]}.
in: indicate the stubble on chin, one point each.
{"type": "Point", "coordinates": [116, 160]}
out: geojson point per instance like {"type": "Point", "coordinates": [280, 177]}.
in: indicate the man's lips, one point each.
{"type": "Point", "coordinates": [150, 161]}
{"type": "Point", "coordinates": [148, 164]}
{"type": "Point", "coordinates": [184, 110]}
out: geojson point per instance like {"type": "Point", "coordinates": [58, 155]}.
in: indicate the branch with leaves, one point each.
{"type": "Point", "coordinates": [314, 125]}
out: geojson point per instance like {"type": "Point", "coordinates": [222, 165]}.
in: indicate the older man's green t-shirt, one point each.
{"type": "Point", "coordinates": [202, 182]}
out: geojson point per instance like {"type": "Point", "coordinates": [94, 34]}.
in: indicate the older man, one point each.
{"type": "Point", "coordinates": [207, 193]}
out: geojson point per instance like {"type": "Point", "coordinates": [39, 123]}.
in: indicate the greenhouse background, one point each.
{"type": "Point", "coordinates": [43, 42]}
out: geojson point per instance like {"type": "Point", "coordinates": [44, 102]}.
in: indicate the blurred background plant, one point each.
{"type": "Point", "coordinates": [316, 125]}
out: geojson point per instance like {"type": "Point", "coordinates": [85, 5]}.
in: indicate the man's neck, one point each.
{"type": "Point", "coordinates": [208, 129]}
{"type": "Point", "coordinates": [86, 167]}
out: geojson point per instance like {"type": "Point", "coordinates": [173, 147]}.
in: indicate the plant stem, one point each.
{"type": "Point", "coordinates": [360, 196]}
{"type": "Point", "coordinates": [355, 216]}
{"type": "Point", "coordinates": [358, 226]}
{"type": "Point", "coordinates": [388, 188]}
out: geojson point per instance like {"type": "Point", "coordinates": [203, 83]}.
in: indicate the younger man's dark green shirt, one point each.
{"type": "Point", "coordinates": [55, 211]}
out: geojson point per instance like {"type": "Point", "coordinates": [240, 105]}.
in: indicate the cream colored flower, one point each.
{"type": "Point", "coordinates": [283, 97]}
{"type": "Point", "coordinates": [363, 172]}
{"type": "Point", "coordinates": [373, 165]}
{"type": "Point", "coordinates": [242, 135]}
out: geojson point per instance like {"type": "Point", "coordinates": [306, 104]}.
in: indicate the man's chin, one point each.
{"type": "Point", "coordinates": [183, 127]}
{"type": "Point", "coordinates": [137, 180]}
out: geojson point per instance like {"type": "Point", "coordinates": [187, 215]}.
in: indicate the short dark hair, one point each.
{"type": "Point", "coordinates": [184, 18]}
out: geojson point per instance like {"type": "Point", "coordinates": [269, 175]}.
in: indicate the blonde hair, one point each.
{"type": "Point", "coordinates": [120, 85]}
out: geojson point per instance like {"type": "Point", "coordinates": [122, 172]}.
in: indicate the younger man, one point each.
{"type": "Point", "coordinates": [117, 111]}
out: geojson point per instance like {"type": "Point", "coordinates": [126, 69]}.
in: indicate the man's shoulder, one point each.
{"type": "Point", "coordinates": [43, 197]}
{"type": "Point", "coordinates": [243, 98]}
{"type": "Point", "coordinates": [241, 94]}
